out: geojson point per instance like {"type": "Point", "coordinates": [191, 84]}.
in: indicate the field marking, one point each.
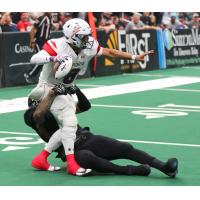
{"type": "Point", "coordinates": [19, 104]}
{"type": "Point", "coordinates": [131, 141]}
{"type": "Point", "coordinates": [91, 85]}
{"type": "Point", "coordinates": [180, 90]}
{"type": "Point", "coordinates": [17, 133]}
{"type": "Point", "coordinates": [148, 75]}
{"type": "Point", "coordinates": [143, 107]}
{"type": "Point", "coordinates": [198, 68]}
{"type": "Point", "coordinates": [161, 143]}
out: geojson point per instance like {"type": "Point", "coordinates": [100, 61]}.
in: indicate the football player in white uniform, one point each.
{"type": "Point", "coordinates": [64, 58]}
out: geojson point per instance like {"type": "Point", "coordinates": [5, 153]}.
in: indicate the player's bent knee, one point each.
{"type": "Point", "coordinates": [84, 158]}
{"type": "Point", "coordinates": [125, 147]}
{"type": "Point", "coordinates": [69, 131]}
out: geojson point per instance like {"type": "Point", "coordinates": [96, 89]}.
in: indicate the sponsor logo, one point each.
{"type": "Point", "coordinates": [111, 43]}
{"type": "Point", "coordinates": [135, 45]}
{"type": "Point", "coordinates": [174, 38]}
{"type": "Point", "coordinates": [22, 49]}
{"type": "Point", "coordinates": [183, 46]}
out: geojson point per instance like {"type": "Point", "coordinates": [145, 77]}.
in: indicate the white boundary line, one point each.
{"type": "Point", "coordinates": [198, 68]}
{"type": "Point", "coordinates": [91, 85]}
{"type": "Point", "coordinates": [131, 141]}
{"type": "Point", "coordinates": [163, 143]}
{"type": "Point", "coordinates": [180, 90]}
{"type": "Point", "coordinates": [138, 74]}
{"type": "Point", "coordinates": [140, 107]}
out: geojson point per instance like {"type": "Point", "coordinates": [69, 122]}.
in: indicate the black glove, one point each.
{"type": "Point", "coordinates": [60, 89]}
{"type": "Point", "coordinates": [71, 89]}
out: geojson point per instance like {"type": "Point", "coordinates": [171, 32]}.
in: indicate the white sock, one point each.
{"type": "Point", "coordinates": [54, 142]}
{"type": "Point", "coordinates": [68, 136]}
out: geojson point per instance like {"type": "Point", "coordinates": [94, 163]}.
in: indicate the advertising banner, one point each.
{"type": "Point", "coordinates": [16, 54]}
{"type": "Point", "coordinates": [107, 66]}
{"type": "Point", "coordinates": [137, 42]}
{"type": "Point", "coordinates": [182, 47]}
{"type": "Point", "coordinates": [1, 63]}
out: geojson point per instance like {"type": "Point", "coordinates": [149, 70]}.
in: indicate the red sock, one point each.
{"type": "Point", "coordinates": [72, 166]}
{"type": "Point", "coordinates": [44, 153]}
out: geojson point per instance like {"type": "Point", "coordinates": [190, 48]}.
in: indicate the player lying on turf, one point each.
{"type": "Point", "coordinates": [92, 151]}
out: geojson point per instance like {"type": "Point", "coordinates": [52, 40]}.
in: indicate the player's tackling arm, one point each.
{"type": "Point", "coordinates": [45, 104]}
{"type": "Point", "coordinates": [43, 107]}
{"type": "Point", "coordinates": [125, 55]}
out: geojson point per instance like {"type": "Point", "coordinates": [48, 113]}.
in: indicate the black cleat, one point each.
{"type": "Point", "coordinates": [171, 167]}
{"type": "Point", "coordinates": [141, 170]}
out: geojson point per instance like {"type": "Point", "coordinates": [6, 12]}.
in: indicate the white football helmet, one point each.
{"type": "Point", "coordinates": [77, 33]}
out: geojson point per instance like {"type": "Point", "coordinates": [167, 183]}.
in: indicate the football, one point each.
{"type": "Point", "coordinates": [64, 67]}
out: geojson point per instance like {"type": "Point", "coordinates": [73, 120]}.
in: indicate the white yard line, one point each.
{"type": "Point", "coordinates": [138, 74]}
{"type": "Point", "coordinates": [181, 90]}
{"type": "Point", "coordinates": [19, 104]}
{"type": "Point", "coordinates": [161, 143]}
{"type": "Point", "coordinates": [143, 107]}
{"type": "Point", "coordinates": [90, 85]}
{"type": "Point", "coordinates": [131, 141]}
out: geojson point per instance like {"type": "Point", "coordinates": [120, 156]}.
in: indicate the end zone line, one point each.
{"type": "Point", "coordinates": [162, 143]}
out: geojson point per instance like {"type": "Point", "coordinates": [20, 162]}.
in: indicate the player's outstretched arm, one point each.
{"type": "Point", "coordinates": [125, 55]}
{"type": "Point", "coordinates": [41, 57]}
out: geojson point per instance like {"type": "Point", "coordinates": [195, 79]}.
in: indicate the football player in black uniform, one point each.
{"type": "Point", "coordinates": [93, 151]}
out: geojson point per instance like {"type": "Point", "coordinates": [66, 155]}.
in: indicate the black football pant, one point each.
{"type": "Point", "coordinates": [96, 153]}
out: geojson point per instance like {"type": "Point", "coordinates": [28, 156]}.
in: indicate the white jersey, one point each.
{"type": "Point", "coordinates": [59, 47]}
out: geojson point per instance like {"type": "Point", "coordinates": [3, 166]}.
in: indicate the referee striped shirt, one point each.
{"type": "Point", "coordinates": [43, 25]}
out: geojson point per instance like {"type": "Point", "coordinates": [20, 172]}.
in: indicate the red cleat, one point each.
{"type": "Point", "coordinates": [40, 162]}
{"type": "Point", "coordinates": [74, 168]}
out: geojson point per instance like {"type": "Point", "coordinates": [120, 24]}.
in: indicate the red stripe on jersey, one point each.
{"type": "Point", "coordinates": [49, 49]}
{"type": "Point", "coordinates": [54, 44]}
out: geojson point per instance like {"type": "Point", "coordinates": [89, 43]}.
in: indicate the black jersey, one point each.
{"type": "Point", "coordinates": [51, 124]}
{"type": "Point", "coordinates": [49, 121]}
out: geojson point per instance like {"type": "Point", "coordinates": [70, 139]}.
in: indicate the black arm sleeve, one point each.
{"type": "Point", "coordinates": [83, 103]}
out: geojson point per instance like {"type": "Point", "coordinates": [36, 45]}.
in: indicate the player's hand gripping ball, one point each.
{"type": "Point", "coordinates": [64, 67]}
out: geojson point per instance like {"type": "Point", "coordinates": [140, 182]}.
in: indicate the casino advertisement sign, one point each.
{"type": "Point", "coordinates": [182, 47]}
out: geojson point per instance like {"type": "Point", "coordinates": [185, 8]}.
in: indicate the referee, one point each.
{"type": "Point", "coordinates": [39, 34]}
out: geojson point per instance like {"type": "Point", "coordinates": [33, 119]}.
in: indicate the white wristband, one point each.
{"type": "Point", "coordinates": [133, 57]}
